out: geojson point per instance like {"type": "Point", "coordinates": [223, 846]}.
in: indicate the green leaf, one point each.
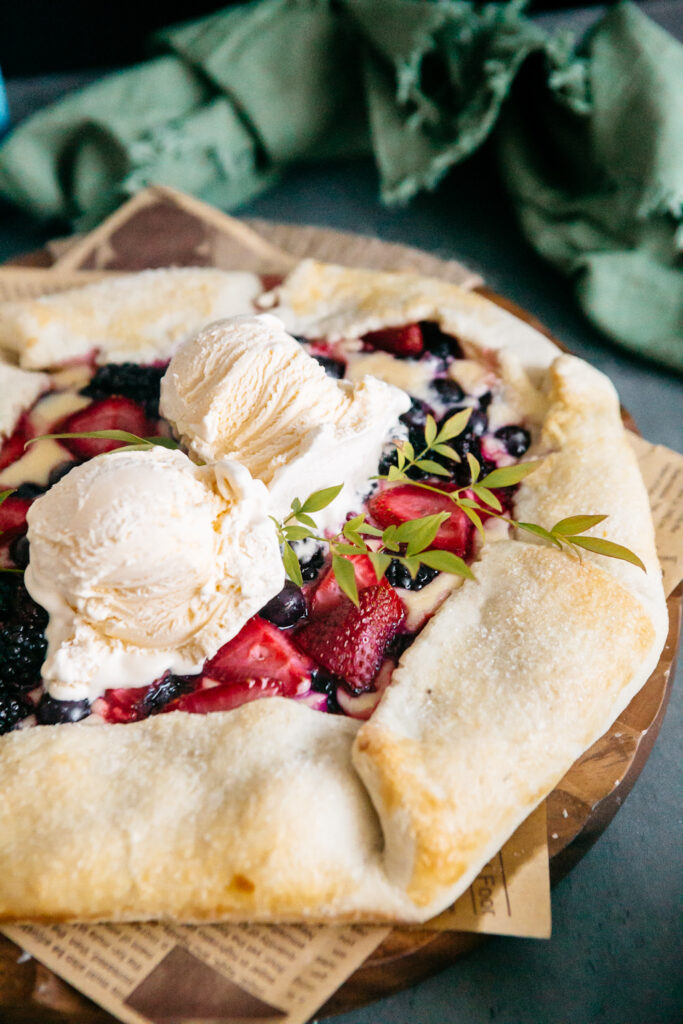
{"type": "Point", "coordinates": [389, 538]}
{"type": "Point", "coordinates": [321, 499]}
{"type": "Point", "coordinates": [369, 530]}
{"type": "Point", "coordinates": [301, 517]}
{"type": "Point", "coordinates": [17, 572]}
{"type": "Point", "coordinates": [163, 442]}
{"type": "Point", "coordinates": [103, 435]}
{"type": "Point", "coordinates": [348, 549]}
{"type": "Point", "coordinates": [345, 576]}
{"type": "Point", "coordinates": [395, 473]}
{"type": "Point", "coordinates": [576, 524]}
{"type": "Point", "coordinates": [5, 494]}
{"type": "Point", "coordinates": [475, 468]}
{"type": "Point", "coordinates": [430, 430]}
{"type": "Point", "coordinates": [353, 524]}
{"type": "Point", "coordinates": [607, 548]}
{"type": "Point", "coordinates": [445, 449]}
{"type": "Point", "coordinates": [469, 511]}
{"type": "Point", "coordinates": [407, 450]}
{"type": "Point", "coordinates": [380, 562]}
{"type": "Point", "coordinates": [400, 457]}
{"type": "Point", "coordinates": [296, 505]}
{"type": "Point", "coordinates": [487, 496]}
{"type": "Point", "coordinates": [412, 564]}
{"type": "Point", "coordinates": [432, 467]}
{"type": "Point", "coordinates": [291, 564]}
{"type": "Point", "coordinates": [446, 561]}
{"type": "Point", "coordinates": [420, 533]}
{"type": "Point", "coordinates": [296, 532]}
{"type": "Point", "coordinates": [539, 531]}
{"type": "Point", "coordinates": [507, 476]}
{"type": "Point", "coordinates": [454, 425]}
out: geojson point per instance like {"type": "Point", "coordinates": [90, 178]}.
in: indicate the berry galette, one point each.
{"type": "Point", "coordinates": [310, 593]}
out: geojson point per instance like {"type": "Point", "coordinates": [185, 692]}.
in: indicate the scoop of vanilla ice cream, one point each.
{"type": "Point", "coordinates": [244, 389]}
{"type": "Point", "coordinates": [147, 563]}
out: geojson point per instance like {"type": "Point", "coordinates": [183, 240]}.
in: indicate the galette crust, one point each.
{"type": "Point", "coordinates": [277, 812]}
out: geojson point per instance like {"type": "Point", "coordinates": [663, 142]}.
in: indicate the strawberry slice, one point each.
{"type": "Point", "coordinates": [350, 642]}
{"type": "Point", "coordinates": [327, 592]}
{"type": "Point", "coordinates": [402, 341]}
{"type": "Point", "coordinates": [120, 705]}
{"type": "Point", "coordinates": [227, 696]}
{"type": "Point", "coordinates": [396, 505]}
{"type": "Point", "coordinates": [114, 413]}
{"type": "Point", "coordinates": [13, 514]}
{"type": "Point", "coordinates": [261, 651]}
{"type": "Point", "coordinates": [12, 449]}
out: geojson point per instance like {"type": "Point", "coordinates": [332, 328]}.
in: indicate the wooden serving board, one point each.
{"type": "Point", "coordinates": [159, 228]}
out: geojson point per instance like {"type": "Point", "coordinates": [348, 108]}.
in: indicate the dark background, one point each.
{"type": "Point", "coordinates": [38, 36]}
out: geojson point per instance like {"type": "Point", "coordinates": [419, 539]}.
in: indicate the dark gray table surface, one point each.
{"type": "Point", "coordinates": [615, 953]}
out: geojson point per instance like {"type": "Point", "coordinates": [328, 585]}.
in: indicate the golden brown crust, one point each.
{"type": "Point", "coordinates": [275, 812]}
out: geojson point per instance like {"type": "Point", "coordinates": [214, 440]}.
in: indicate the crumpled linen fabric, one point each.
{"type": "Point", "coordinates": [588, 138]}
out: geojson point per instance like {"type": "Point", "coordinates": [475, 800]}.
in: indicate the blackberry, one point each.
{"type": "Point", "coordinates": [162, 693]}
{"type": "Point", "coordinates": [22, 652]}
{"type": "Point", "coordinates": [398, 576]}
{"type": "Point", "coordinates": [516, 439]}
{"type": "Point", "coordinates": [13, 709]}
{"type": "Point", "coordinates": [398, 645]}
{"type": "Point", "coordinates": [332, 367]}
{"type": "Point", "coordinates": [285, 608]}
{"type": "Point", "coordinates": [311, 568]}
{"type": "Point", "coordinates": [26, 611]}
{"type": "Point", "coordinates": [19, 551]}
{"type": "Point", "coordinates": [9, 583]}
{"type": "Point", "coordinates": [323, 682]}
{"type": "Point", "coordinates": [438, 343]}
{"type": "Point", "coordinates": [56, 712]}
{"type": "Point", "coordinates": [139, 383]}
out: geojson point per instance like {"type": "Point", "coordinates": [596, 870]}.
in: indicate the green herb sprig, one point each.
{"type": "Point", "coordinates": [130, 442]}
{"type": "Point", "coordinates": [410, 542]}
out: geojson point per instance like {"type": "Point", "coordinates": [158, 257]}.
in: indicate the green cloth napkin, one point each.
{"type": "Point", "coordinates": [589, 140]}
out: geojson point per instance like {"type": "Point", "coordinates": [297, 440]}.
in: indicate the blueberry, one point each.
{"type": "Point", "coordinates": [332, 367]}
{"type": "Point", "coordinates": [323, 682]}
{"type": "Point", "coordinates": [13, 709]}
{"type": "Point", "coordinates": [22, 652]}
{"type": "Point", "coordinates": [311, 568]}
{"type": "Point", "coordinates": [389, 458]}
{"type": "Point", "coordinates": [448, 390]}
{"type": "Point", "coordinates": [398, 576]}
{"type": "Point", "coordinates": [438, 343]}
{"type": "Point", "coordinates": [416, 415]}
{"type": "Point", "coordinates": [55, 712]}
{"type": "Point", "coordinates": [485, 400]}
{"type": "Point", "coordinates": [139, 383]}
{"type": "Point", "coordinates": [477, 423]}
{"type": "Point", "coordinates": [29, 491]}
{"type": "Point", "coordinates": [18, 551]}
{"type": "Point", "coordinates": [516, 439]}
{"type": "Point", "coordinates": [163, 692]}
{"type": "Point", "coordinates": [60, 471]}
{"type": "Point", "coordinates": [285, 608]}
